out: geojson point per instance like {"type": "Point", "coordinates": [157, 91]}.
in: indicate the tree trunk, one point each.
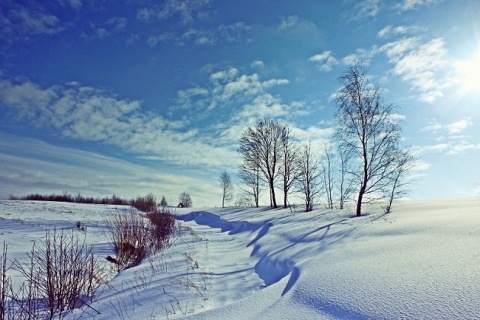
{"type": "Point", "coordinates": [272, 193]}
{"type": "Point", "coordinates": [257, 186]}
{"type": "Point", "coordinates": [359, 201]}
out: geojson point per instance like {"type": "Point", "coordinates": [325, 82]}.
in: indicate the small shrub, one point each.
{"type": "Point", "coordinates": [162, 227]}
{"type": "Point", "coordinates": [21, 304]}
{"type": "Point", "coordinates": [127, 230]}
{"type": "Point", "coordinates": [135, 235]}
{"type": "Point", "coordinates": [145, 204]}
{"type": "Point", "coordinates": [5, 283]}
{"type": "Point", "coordinates": [61, 270]}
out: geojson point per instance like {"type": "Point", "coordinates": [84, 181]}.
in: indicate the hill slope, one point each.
{"type": "Point", "coordinates": [420, 261]}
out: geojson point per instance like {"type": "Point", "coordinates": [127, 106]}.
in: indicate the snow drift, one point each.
{"type": "Point", "coordinates": [421, 261]}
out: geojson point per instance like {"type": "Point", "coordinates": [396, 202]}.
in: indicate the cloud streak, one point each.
{"type": "Point", "coordinates": [188, 11]}
{"type": "Point", "coordinates": [421, 65]}
{"type": "Point", "coordinates": [87, 113]}
{"type": "Point", "coordinates": [33, 166]}
{"type": "Point", "coordinates": [288, 22]}
{"type": "Point", "coordinates": [324, 61]}
{"type": "Point", "coordinates": [236, 32]}
{"type": "Point", "coordinates": [451, 129]}
{"type": "Point", "coordinates": [390, 30]}
{"type": "Point", "coordinates": [20, 22]}
{"type": "Point", "coordinates": [406, 5]}
{"type": "Point", "coordinates": [365, 9]}
{"type": "Point", "coordinates": [452, 138]}
{"type": "Point", "coordinates": [226, 88]}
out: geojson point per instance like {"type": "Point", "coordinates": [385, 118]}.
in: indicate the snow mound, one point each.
{"type": "Point", "coordinates": [421, 261]}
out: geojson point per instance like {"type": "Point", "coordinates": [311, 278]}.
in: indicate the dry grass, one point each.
{"type": "Point", "coordinates": [61, 273]}
{"type": "Point", "coordinates": [136, 236]}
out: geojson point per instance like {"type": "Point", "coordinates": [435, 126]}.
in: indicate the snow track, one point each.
{"type": "Point", "coordinates": [268, 268]}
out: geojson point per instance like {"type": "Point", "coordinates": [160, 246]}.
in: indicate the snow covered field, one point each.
{"type": "Point", "coordinates": [420, 262]}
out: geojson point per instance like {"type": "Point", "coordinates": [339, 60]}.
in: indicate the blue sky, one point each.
{"type": "Point", "coordinates": [132, 97]}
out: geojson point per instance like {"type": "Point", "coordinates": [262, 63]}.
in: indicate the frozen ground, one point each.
{"type": "Point", "coordinates": [421, 261]}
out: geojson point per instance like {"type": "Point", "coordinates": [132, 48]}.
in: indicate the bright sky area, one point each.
{"type": "Point", "coordinates": [133, 97]}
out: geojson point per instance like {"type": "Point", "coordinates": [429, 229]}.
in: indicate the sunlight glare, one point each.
{"type": "Point", "coordinates": [470, 73]}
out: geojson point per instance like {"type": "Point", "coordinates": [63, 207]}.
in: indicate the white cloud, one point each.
{"type": "Point", "coordinates": [395, 50]}
{"type": "Point", "coordinates": [268, 106]}
{"type": "Point", "coordinates": [395, 117]}
{"type": "Point", "coordinates": [87, 113]}
{"type": "Point", "coordinates": [399, 30]}
{"type": "Point", "coordinates": [236, 32]}
{"type": "Point", "coordinates": [462, 147]}
{"type": "Point", "coordinates": [162, 37]}
{"type": "Point", "coordinates": [385, 31]}
{"type": "Point", "coordinates": [188, 11]}
{"type": "Point", "coordinates": [459, 126]}
{"type": "Point", "coordinates": [421, 65]}
{"type": "Point", "coordinates": [244, 98]}
{"type": "Point", "coordinates": [288, 22]}
{"type": "Point", "coordinates": [315, 134]}
{"type": "Point", "coordinates": [245, 85]}
{"type": "Point", "coordinates": [109, 27]}
{"type": "Point", "coordinates": [241, 88]}
{"type": "Point", "coordinates": [433, 126]}
{"type": "Point", "coordinates": [257, 64]}
{"type": "Point", "coordinates": [20, 22]}
{"type": "Point", "coordinates": [453, 128]}
{"type": "Point", "coordinates": [420, 165]}
{"type": "Point", "coordinates": [263, 106]}
{"type": "Point", "coordinates": [192, 97]}
{"type": "Point", "coordinates": [229, 87]}
{"type": "Point", "coordinates": [38, 23]}
{"type": "Point", "coordinates": [75, 4]}
{"type": "Point", "coordinates": [200, 37]}
{"type": "Point", "coordinates": [452, 135]}
{"type": "Point", "coordinates": [101, 33]}
{"type": "Point", "coordinates": [324, 61]}
{"type": "Point", "coordinates": [224, 75]}
{"type": "Point", "coordinates": [117, 23]}
{"type": "Point", "coordinates": [361, 56]}
{"type": "Point", "coordinates": [365, 9]}
{"type": "Point", "coordinates": [406, 5]}
{"type": "Point", "coordinates": [428, 149]}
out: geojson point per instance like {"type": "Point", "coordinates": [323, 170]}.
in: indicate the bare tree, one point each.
{"type": "Point", "coordinates": [367, 127]}
{"type": "Point", "coordinates": [185, 200]}
{"type": "Point", "coordinates": [251, 178]}
{"type": "Point", "coordinates": [261, 147]}
{"type": "Point", "coordinates": [308, 181]}
{"type": "Point", "coordinates": [227, 187]}
{"type": "Point", "coordinates": [396, 189]}
{"type": "Point", "coordinates": [345, 185]}
{"type": "Point", "coordinates": [328, 164]}
{"type": "Point", "coordinates": [289, 171]}
{"type": "Point", "coordinates": [163, 202]}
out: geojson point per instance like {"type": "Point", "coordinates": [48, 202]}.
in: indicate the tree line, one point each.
{"type": "Point", "coordinates": [365, 161]}
{"type": "Point", "coordinates": [142, 203]}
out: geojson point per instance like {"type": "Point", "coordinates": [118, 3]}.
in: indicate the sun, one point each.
{"type": "Point", "coordinates": [469, 73]}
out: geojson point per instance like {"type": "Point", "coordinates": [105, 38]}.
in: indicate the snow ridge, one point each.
{"type": "Point", "coordinates": [269, 269]}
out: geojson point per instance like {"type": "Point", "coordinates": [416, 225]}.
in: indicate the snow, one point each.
{"type": "Point", "coordinates": [421, 261]}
